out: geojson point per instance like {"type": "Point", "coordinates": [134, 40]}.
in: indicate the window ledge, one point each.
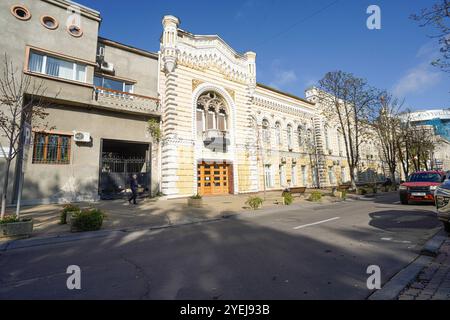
{"type": "Point", "coordinates": [46, 76]}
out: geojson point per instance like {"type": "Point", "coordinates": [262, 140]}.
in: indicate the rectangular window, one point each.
{"type": "Point", "coordinates": [200, 127]}
{"type": "Point", "coordinates": [282, 176]}
{"type": "Point", "coordinates": [51, 149]}
{"type": "Point", "coordinates": [331, 175]}
{"type": "Point", "coordinates": [112, 84]}
{"type": "Point", "coordinates": [211, 124]}
{"type": "Point", "coordinates": [294, 175]}
{"type": "Point", "coordinates": [268, 176]}
{"type": "Point", "coordinates": [222, 122]}
{"type": "Point", "coordinates": [56, 67]}
{"type": "Point", "coordinates": [304, 177]}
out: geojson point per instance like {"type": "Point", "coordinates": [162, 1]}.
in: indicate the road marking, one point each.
{"type": "Point", "coordinates": [316, 223]}
{"type": "Point", "coordinates": [396, 241]}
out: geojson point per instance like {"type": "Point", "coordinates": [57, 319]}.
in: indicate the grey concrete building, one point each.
{"type": "Point", "coordinates": [102, 95]}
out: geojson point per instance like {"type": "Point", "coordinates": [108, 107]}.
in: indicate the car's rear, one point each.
{"type": "Point", "coordinates": [420, 187]}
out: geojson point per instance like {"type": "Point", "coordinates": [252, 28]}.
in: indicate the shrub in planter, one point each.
{"type": "Point", "coordinates": [87, 220]}
{"type": "Point", "coordinates": [287, 198]}
{"type": "Point", "coordinates": [10, 226]}
{"type": "Point", "coordinates": [195, 201]}
{"type": "Point", "coordinates": [254, 202]}
{"type": "Point", "coordinates": [68, 210]}
{"type": "Point", "coordinates": [315, 196]}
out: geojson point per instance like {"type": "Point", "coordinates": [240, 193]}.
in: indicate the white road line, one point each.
{"type": "Point", "coordinates": [316, 223]}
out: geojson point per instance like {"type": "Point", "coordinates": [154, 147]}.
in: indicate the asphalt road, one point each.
{"type": "Point", "coordinates": [314, 252]}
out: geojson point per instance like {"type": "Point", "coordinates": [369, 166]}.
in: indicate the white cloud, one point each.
{"type": "Point", "coordinates": [423, 76]}
{"type": "Point", "coordinates": [417, 80]}
{"type": "Point", "coordinates": [282, 77]}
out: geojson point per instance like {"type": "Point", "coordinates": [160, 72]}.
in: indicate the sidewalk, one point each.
{"type": "Point", "coordinates": [148, 214]}
{"type": "Point", "coordinates": [433, 282]}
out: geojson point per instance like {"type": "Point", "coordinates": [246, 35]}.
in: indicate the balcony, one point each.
{"type": "Point", "coordinates": [124, 101]}
{"type": "Point", "coordinates": [216, 140]}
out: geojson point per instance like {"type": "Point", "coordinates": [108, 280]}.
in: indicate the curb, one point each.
{"type": "Point", "coordinates": [406, 276]}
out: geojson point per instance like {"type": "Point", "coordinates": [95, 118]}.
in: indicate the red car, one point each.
{"type": "Point", "coordinates": [420, 186]}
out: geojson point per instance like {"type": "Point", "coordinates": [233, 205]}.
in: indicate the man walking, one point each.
{"type": "Point", "coordinates": [134, 187]}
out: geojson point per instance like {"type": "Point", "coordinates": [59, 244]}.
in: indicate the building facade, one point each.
{"type": "Point", "coordinates": [439, 120]}
{"type": "Point", "coordinates": [101, 95]}
{"type": "Point", "coordinates": [221, 131]}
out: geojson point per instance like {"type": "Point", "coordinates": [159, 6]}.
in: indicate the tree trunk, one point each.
{"type": "Point", "coordinates": [352, 178]}
{"type": "Point", "coordinates": [5, 187]}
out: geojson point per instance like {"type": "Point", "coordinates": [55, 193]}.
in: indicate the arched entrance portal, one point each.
{"type": "Point", "coordinates": [214, 175]}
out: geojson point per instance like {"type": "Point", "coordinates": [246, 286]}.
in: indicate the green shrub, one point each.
{"type": "Point", "coordinates": [87, 220]}
{"type": "Point", "coordinates": [315, 196]}
{"type": "Point", "coordinates": [254, 202]}
{"type": "Point", "coordinates": [197, 197]}
{"type": "Point", "coordinates": [68, 209]}
{"type": "Point", "coordinates": [9, 219]}
{"type": "Point", "coordinates": [288, 199]}
{"type": "Point", "coordinates": [344, 194]}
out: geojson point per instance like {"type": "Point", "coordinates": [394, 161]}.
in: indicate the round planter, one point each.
{"type": "Point", "coordinates": [195, 203]}
{"type": "Point", "coordinates": [22, 229]}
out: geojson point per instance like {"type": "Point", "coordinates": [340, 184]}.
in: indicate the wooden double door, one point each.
{"type": "Point", "coordinates": [214, 178]}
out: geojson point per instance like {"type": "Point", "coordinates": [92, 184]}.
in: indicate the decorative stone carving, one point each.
{"type": "Point", "coordinates": [195, 84]}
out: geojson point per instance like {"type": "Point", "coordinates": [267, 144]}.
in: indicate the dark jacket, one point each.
{"type": "Point", "coordinates": [133, 184]}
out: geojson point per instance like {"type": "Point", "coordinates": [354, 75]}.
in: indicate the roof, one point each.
{"type": "Point", "coordinates": [128, 48]}
{"type": "Point", "coordinates": [284, 93]}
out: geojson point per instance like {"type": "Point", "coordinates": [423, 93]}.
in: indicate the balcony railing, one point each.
{"type": "Point", "coordinates": [126, 101]}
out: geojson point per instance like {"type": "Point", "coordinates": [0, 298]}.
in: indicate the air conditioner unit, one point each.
{"type": "Point", "coordinates": [81, 136]}
{"type": "Point", "coordinates": [107, 67]}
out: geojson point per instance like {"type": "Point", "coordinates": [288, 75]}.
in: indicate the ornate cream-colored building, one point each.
{"type": "Point", "coordinates": [225, 133]}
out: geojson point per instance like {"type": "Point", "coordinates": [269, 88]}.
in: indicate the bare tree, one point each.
{"type": "Point", "coordinates": [438, 16]}
{"type": "Point", "coordinates": [21, 100]}
{"type": "Point", "coordinates": [348, 100]}
{"type": "Point", "coordinates": [415, 145]}
{"type": "Point", "coordinates": [387, 125]}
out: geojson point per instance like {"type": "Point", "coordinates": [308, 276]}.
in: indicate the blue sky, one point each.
{"type": "Point", "coordinates": [298, 41]}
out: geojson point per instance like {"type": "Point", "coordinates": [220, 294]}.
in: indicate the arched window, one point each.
{"type": "Point", "coordinates": [300, 133]}
{"type": "Point", "coordinates": [289, 136]}
{"type": "Point", "coordinates": [211, 113]}
{"type": "Point", "coordinates": [266, 131]}
{"type": "Point", "coordinates": [278, 133]}
{"type": "Point", "coordinates": [309, 138]}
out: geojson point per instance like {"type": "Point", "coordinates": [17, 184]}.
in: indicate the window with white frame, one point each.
{"type": "Point", "coordinates": [268, 179]}
{"type": "Point", "coordinates": [289, 137]}
{"type": "Point", "coordinates": [113, 84]}
{"type": "Point", "coordinates": [331, 175]}
{"type": "Point", "coordinates": [56, 67]}
{"type": "Point", "coordinates": [304, 176]}
{"type": "Point", "coordinates": [278, 134]}
{"type": "Point", "coordinates": [211, 113]}
{"type": "Point", "coordinates": [282, 171]}
{"type": "Point", "coordinates": [294, 175]}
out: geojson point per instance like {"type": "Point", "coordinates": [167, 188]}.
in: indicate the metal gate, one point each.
{"type": "Point", "coordinates": [115, 173]}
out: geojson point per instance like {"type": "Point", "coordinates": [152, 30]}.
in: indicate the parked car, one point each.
{"type": "Point", "coordinates": [420, 186]}
{"type": "Point", "coordinates": [443, 205]}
